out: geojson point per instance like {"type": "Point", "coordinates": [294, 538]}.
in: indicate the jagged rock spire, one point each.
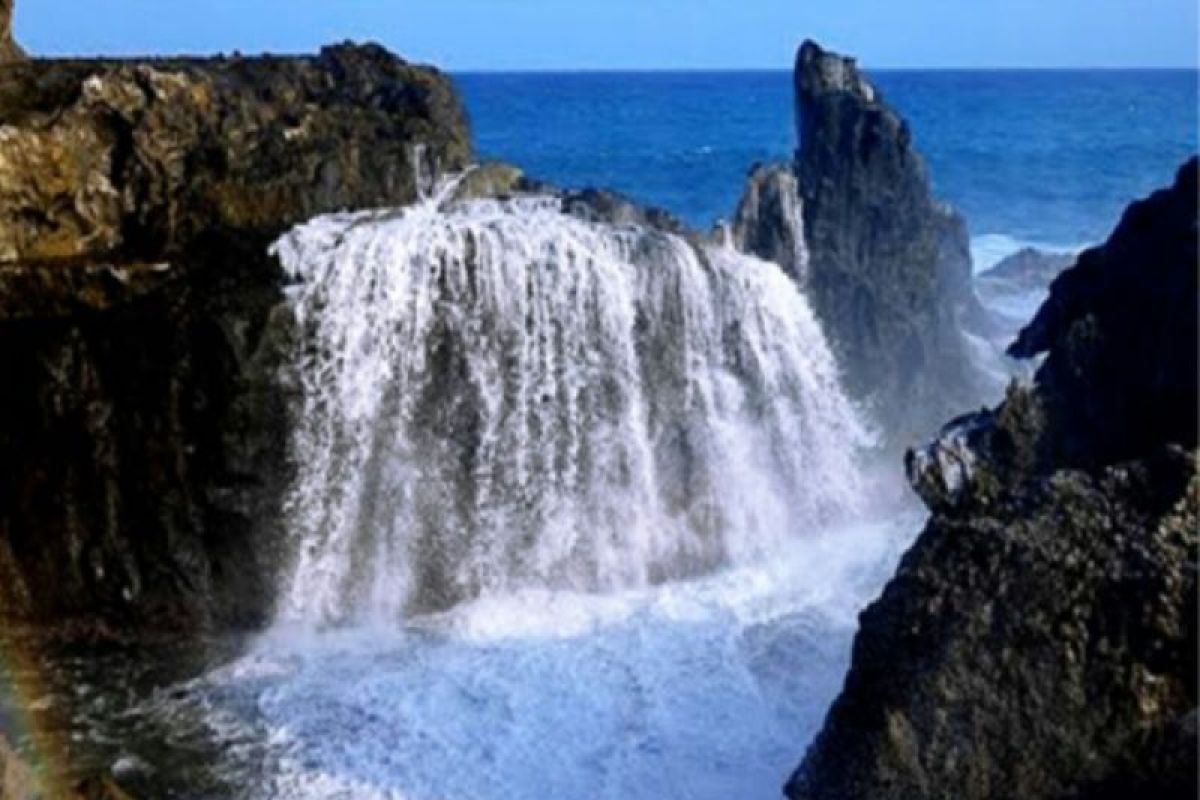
{"type": "Point", "coordinates": [885, 264]}
{"type": "Point", "coordinates": [9, 49]}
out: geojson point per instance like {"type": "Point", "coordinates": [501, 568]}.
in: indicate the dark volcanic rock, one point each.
{"type": "Point", "coordinates": [1030, 651]}
{"type": "Point", "coordinates": [1040, 639]}
{"type": "Point", "coordinates": [142, 437]}
{"type": "Point", "coordinates": [1120, 330]}
{"type": "Point", "coordinates": [768, 220]}
{"type": "Point", "coordinates": [603, 205]}
{"type": "Point", "coordinates": [144, 159]}
{"type": "Point", "coordinates": [886, 266]}
{"type": "Point", "coordinates": [889, 266]}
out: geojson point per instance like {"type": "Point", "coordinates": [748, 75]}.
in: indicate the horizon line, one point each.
{"type": "Point", "coordinates": [865, 67]}
{"type": "Point", "coordinates": [567, 69]}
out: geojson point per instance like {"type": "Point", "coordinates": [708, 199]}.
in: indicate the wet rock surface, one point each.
{"type": "Point", "coordinates": [142, 441]}
{"type": "Point", "coordinates": [886, 266]}
{"type": "Point", "coordinates": [889, 269]}
{"type": "Point", "coordinates": [769, 222]}
{"type": "Point", "coordinates": [20, 781]}
{"type": "Point", "coordinates": [1040, 639]}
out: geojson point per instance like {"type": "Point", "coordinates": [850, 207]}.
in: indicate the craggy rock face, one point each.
{"type": "Point", "coordinates": [9, 49]}
{"type": "Point", "coordinates": [886, 266]}
{"type": "Point", "coordinates": [889, 270]}
{"type": "Point", "coordinates": [1120, 332]}
{"type": "Point", "coordinates": [769, 222]}
{"type": "Point", "coordinates": [140, 159]}
{"type": "Point", "coordinates": [1040, 639]}
{"type": "Point", "coordinates": [1038, 650]}
{"type": "Point", "coordinates": [142, 436]}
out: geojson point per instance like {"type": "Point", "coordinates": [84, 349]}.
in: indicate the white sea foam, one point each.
{"type": "Point", "coordinates": [500, 398]}
{"type": "Point", "coordinates": [587, 494]}
{"type": "Point", "coordinates": [706, 689]}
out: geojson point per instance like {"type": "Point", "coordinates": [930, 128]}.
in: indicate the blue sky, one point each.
{"type": "Point", "coordinates": [624, 34]}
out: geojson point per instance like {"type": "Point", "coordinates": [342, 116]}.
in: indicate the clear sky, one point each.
{"type": "Point", "coordinates": [625, 34]}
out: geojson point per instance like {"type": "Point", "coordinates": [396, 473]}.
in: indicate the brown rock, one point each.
{"type": "Point", "coordinates": [9, 49]}
{"type": "Point", "coordinates": [143, 430]}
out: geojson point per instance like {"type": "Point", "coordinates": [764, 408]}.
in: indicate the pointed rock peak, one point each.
{"type": "Point", "coordinates": [820, 71]}
{"type": "Point", "coordinates": [9, 49]}
{"type": "Point", "coordinates": [888, 266]}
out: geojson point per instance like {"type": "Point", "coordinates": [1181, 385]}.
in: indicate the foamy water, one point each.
{"type": "Point", "coordinates": [578, 515]}
{"type": "Point", "coordinates": [499, 397]}
{"type": "Point", "coordinates": [699, 689]}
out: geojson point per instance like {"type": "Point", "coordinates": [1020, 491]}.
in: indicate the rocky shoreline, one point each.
{"type": "Point", "coordinates": [141, 458]}
{"type": "Point", "coordinates": [1040, 638]}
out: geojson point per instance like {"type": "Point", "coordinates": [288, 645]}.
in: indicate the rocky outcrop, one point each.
{"type": "Point", "coordinates": [1040, 639]}
{"type": "Point", "coordinates": [768, 221]}
{"type": "Point", "coordinates": [9, 49]}
{"type": "Point", "coordinates": [889, 264]}
{"type": "Point", "coordinates": [887, 267]}
{"type": "Point", "coordinates": [142, 435]}
{"type": "Point", "coordinates": [1120, 332]}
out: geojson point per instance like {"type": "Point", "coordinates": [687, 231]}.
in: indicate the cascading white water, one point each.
{"type": "Point", "coordinates": [498, 396]}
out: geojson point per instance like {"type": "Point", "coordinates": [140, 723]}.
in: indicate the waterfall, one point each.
{"type": "Point", "coordinates": [496, 395]}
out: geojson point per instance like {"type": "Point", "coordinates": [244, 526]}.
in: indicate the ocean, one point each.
{"type": "Point", "coordinates": [1028, 156]}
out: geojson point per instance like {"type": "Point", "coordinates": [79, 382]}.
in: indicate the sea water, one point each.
{"type": "Point", "coordinates": [1045, 157]}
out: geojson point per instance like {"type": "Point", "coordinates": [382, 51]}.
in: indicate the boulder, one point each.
{"type": "Point", "coordinates": [1040, 638]}
{"type": "Point", "coordinates": [143, 434]}
{"type": "Point", "coordinates": [614, 208]}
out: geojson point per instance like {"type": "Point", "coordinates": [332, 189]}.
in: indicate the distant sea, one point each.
{"type": "Point", "coordinates": [1028, 156]}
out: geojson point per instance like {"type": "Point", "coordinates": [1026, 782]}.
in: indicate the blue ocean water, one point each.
{"type": "Point", "coordinates": [1050, 157]}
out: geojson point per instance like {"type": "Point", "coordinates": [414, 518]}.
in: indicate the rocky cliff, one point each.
{"type": "Point", "coordinates": [1040, 639]}
{"type": "Point", "coordinates": [142, 430]}
{"type": "Point", "coordinates": [886, 266]}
